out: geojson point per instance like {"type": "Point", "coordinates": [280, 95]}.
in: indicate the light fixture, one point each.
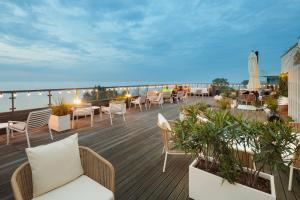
{"type": "Point", "coordinates": [59, 92]}
{"type": "Point", "coordinates": [40, 93]}
{"type": "Point", "coordinates": [15, 94]}
{"type": "Point", "coordinates": [1, 95]}
{"type": "Point", "coordinates": [28, 93]}
{"type": "Point", "coordinates": [77, 101]}
{"type": "Point", "coordinates": [128, 95]}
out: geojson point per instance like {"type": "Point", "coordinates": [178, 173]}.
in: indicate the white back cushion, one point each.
{"type": "Point", "coordinates": [54, 165]}
{"type": "Point", "coordinates": [162, 121]}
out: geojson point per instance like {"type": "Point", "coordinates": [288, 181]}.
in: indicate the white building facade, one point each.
{"type": "Point", "coordinates": [288, 66]}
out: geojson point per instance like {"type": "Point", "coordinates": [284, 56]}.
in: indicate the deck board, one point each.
{"type": "Point", "coordinates": [135, 150]}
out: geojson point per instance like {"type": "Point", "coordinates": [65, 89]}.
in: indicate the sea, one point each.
{"type": "Point", "coordinates": [38, 99]}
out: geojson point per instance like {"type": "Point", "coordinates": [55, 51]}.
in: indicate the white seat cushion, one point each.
{"type": "Point", "coordinates": [18, 126]}
{"type": "Point", "coordinates": [79, 189]}
{"type": "Point", "coordinates": [54, 165]}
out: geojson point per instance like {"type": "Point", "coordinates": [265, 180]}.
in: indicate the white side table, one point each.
{"type": "Point", "coordinates": [5, 126]}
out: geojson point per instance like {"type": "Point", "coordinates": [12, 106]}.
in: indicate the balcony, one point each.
{"type": "Point", "coordinates": [135, 150]}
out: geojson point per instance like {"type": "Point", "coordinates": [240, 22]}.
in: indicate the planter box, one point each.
{"type": "Point", "coordinates": [60, 123]}
{"type": "Point", "coordinates": [204, 185]}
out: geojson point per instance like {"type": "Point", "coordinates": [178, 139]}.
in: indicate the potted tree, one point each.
{"type": "Point", "coordinates": [60, 118]}
{"type": "Point", "coordinates": [225, 147]}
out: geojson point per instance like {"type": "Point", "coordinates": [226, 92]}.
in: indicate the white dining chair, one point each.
{"type": "Point", "coordinates": [115, 109]}
{"type": "Point", "coordinates": [35, 121]}
{"type": "Point", "coordinates": [138, 101]}
{"type": "Point", "coordinates": [159, 101]}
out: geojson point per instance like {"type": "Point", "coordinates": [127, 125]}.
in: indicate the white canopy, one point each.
{"type": "Point", "coordinates": [254, 83]}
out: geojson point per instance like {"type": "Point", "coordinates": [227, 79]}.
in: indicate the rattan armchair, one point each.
{"type": "Point", "coordinates": [94, 166]}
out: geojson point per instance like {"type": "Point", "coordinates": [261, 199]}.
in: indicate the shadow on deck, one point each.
{"type": "Point", "coordinates": [135, 150]}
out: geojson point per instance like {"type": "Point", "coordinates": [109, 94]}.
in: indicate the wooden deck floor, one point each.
{"type": "Point", "coordinates": [134, 149]}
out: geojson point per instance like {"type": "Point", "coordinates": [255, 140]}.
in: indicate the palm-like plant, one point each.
{"type": "Point", "coordinates": [221, 143]}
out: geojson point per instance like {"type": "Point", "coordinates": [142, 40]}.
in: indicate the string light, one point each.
{"type": "Point", "coordinates": [28, 93]}
{"type": "Point", "coordinates": [1, 95]}
{"type": "Point", "coordinates": [15, 94]}
{"type": "Point", "coordinates": [68, 92]}
{"type": "Point", "coordinates": [77, 101]}
{"type": "Point", "coordinates": [59, 92]}
{"type": "Point", "coordinates": [40, 93]}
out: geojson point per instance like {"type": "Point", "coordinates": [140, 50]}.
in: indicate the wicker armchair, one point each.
{"type": "Point", "coordinates": [94, 166]}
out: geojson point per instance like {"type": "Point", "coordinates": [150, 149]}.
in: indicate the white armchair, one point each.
{"type": "Point", "coordinates": [138, 101]}
{"type": "Point", "coordinates": [159, 101]}
{"type": "Point", "coordinates": [35, 121]}
{"type": "Point", "coordinates": [114, 109]}
{"type": "Point", "coordinates": [205, 92]}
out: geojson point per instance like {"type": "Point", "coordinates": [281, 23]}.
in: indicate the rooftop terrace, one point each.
{"type": "Point", "coordinates": [135, 150]}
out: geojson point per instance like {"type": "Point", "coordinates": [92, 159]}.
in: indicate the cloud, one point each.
{"type": "Point", "coordinates": [143, 37]}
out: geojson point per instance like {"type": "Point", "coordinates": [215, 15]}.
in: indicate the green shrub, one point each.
{"type": "Point", "coordinates": [61, 108]}
{"type": "Point", "coordinates": [217, 142]}
{"type": "Point", "coordinates": [223, 103]}
{"type": "Point", "coordinates": [271, 103]}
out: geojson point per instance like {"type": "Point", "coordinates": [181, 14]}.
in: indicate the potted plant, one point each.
{"type": "Point", "coordinates": [272, 107]}
{"type": "Point", "coordinates": [223, 103]}
{"type": "Point", "coordinates": [220, 170]}
{"type": "Point", "coordinates": [60, 118]}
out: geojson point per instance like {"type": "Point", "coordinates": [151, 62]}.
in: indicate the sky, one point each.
{"type": "Point", "coordinates": [138, 40]}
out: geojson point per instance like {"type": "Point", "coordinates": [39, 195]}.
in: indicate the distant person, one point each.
{"type": "Point", "coordinates": [174, 93]}
{"type": "Point", "coordinates": [166, 89]}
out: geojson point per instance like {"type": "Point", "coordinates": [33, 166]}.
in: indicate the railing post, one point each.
{"type": "Point", "coordinates": [12, 98]}
{"type": "Point", "coordinates": [49, 98]}
{"type": "Point", "coordinates": [97, 94]}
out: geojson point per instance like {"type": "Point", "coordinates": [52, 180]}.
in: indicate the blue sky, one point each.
{"type": "Point", "coordinates": [155, 40]}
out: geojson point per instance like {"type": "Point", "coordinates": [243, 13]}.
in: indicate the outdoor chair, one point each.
{"type": "Point", "coordinates": [151, 94]}
{"type": "Point", "coordinates": [158, 100]}
{"type": "Point", "coordinates": [35, 121]}
{"type": "Point", "coordinates": [95, 181]}
{"type": "Point", "coordinates": [180, 96]}
{"type": "Point", "coordinates": [167, 137]}
{"type": "Point", "coordinates": [204, 92]}
{"type": "Point", "coordinates": [138, 101]}
{"type": "Point", "coordinates": [115, 109]}
{"type": "Point", "coordinates": [167, 96]}
{"type": "Point", "coordinates": [82, 110]}
{"type": "Point", "coordinates": [198, 92]}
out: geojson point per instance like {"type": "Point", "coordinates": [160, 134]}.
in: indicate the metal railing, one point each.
{"type": "Point", "coordinates": [127, 88]}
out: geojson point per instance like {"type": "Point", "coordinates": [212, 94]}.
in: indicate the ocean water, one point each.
{"type": "Point", "coordinates": [40, 99]}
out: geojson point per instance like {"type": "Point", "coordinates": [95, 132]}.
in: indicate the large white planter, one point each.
{"type": "Point", "coordinates": [204, 185]}
{"type": "Point", "coordinates": [60, 123]}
